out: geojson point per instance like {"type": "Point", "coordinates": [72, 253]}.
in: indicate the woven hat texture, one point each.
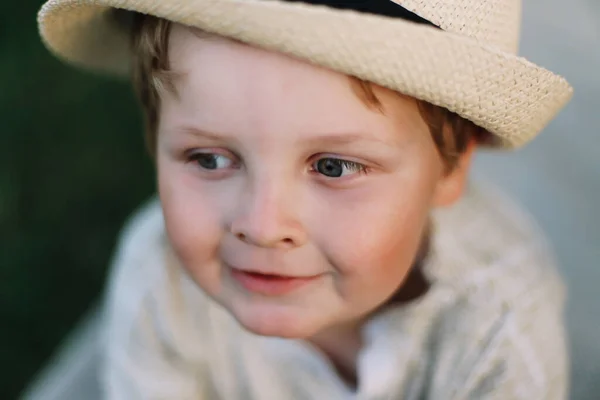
{"type": "Point", "coordinates": [469, 66]}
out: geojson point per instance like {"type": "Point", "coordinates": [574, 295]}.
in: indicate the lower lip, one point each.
{"type": "Point", "coordinates": [270, 285]}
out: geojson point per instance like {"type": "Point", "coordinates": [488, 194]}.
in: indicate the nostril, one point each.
{"type": "Point", "coordinates": [264, 238]}
{"type": "Point", "coordinates": [287, 243]}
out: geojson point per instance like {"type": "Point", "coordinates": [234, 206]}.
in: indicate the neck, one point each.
{"type": "Point", "coordinates": [341, 345]}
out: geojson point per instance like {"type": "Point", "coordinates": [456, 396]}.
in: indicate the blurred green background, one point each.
{"type": "Point", "coordinates": [72, 167]}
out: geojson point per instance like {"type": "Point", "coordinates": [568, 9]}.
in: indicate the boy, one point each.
{"type": "Point", "coordinates": [316, 236]}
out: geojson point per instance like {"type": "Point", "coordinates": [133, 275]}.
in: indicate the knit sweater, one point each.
{"type": "Point", "coordinates": [489, 327]}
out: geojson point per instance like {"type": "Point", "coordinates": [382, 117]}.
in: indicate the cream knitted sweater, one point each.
{"type": "Point", "coordinates": [490, 327]}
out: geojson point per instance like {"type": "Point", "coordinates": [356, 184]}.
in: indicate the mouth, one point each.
{"type": "Point", "coordinates": [270, 284]}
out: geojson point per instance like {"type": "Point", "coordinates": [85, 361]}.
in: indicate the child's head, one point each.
{"type": "Point", "coordinates": [268, 164]}
{"type": "Point", "coordinates": [271, 165]}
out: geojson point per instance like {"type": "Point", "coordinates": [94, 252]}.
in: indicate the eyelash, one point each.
{"type": "Point", "coordinates": [358, 168]}
{"type": "Point", "coordinates": [195, 158]}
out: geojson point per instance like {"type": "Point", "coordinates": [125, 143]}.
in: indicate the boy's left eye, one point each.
{"type": "Point", "coordinates": [337, 168]}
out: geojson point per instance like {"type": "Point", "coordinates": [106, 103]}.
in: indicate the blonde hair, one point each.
{"type": "Point", "coordinates": [150, 75]}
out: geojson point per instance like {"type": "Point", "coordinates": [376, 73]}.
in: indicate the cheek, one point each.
{"type": "Point", "coordinates": [373, 243]}
{"type": "Point", "coordinates": [382, 255]}
{"type": "Point", "coordinates": [191, 216]}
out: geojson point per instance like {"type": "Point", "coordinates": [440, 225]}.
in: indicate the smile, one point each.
{"type": "Point", "coordinates": [270, 285]}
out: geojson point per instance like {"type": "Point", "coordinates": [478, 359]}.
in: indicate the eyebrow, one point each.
{"type": "Point", "coordinates": [204, 134]}
{"type": "Point", "coordinates": [341, 139]}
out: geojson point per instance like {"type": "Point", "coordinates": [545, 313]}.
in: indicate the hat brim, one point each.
{"type": "Point", "coordinates": [505, 94]}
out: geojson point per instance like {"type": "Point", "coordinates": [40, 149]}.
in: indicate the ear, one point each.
{"type": "Point", "coordinates": [451, 185]}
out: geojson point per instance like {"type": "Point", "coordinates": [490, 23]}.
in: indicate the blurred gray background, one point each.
{"type": "Point", "coordinates": [557, 179]}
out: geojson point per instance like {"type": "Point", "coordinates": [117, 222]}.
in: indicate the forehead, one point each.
{"type": "Point", "coordinates": [224, 80]}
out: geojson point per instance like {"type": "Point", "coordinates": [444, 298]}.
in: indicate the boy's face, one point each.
{"type": "Point", "coordinates": [270, 165]}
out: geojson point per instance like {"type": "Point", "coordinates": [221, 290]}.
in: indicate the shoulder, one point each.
{"type": "Point", "coordinates": [482, 347]}
{"type": "Point", "coordinates": [150, 349]}
{"type": "Point", "coordinates": [501, 328]}
{"type": "Point", "coordinates": [481, 351]}
{"type": "Point", "coordinates": [148, 294]}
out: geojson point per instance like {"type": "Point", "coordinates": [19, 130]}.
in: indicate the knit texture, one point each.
{"type": "Point", "coordinates": [470, 67]}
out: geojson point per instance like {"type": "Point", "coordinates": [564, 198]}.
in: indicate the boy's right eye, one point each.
{"type": "Point", "coordinates": [212, 161]}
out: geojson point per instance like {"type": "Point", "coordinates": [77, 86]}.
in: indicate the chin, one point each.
{"type": "Point", "coordinates": [277, 323]}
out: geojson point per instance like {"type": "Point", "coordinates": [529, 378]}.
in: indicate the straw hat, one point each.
{"type": "Point", "coordinates": [458, 54]}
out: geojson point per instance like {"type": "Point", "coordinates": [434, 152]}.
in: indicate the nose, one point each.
{"type": "Point", "coordinates": [267, 217]}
